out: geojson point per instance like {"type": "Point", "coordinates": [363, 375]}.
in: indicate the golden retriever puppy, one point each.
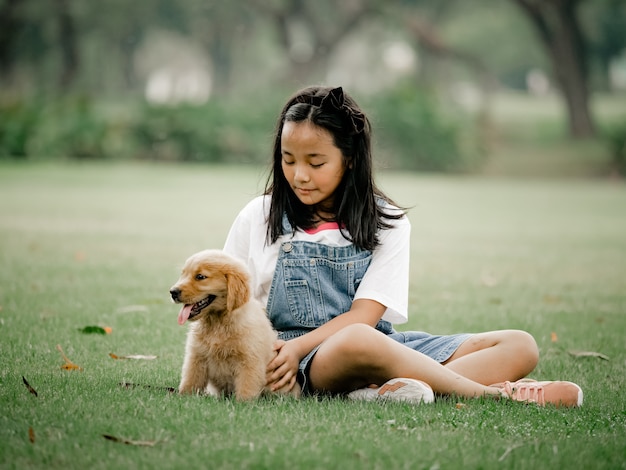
{"type": "Point", "coordinates": [230, 339]}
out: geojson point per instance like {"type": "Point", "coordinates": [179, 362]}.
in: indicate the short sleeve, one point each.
{"type": "Point", "coordinates": [387, 278]}
{"type": "Point", "coordinates": [246, 241]}
{"type": "Point", "coordinates": [238, 240]}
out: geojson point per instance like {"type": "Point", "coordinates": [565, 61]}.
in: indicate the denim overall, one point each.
{"type": "Point", "coordinates": [313, 283]}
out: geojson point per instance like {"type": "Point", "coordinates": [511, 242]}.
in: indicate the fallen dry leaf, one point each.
{"type": "Point", "coordinates": [588, 354]}
{"type": "Point", "coordinates": [134, 356]}
{"type": "Point", "coordinates": [551, 299]}
{"type": "Point", "coordinates": [130, 442]}
{"type": "Point", "coordinates": [69, 365]}
{"type": "Point", "coordinates": [553, 337]}
{"type": "Point", "coordinates": [30, 389]}
{"type": "Point", "coordinates": [31, 435]}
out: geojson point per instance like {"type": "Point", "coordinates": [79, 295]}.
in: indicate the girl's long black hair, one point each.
{"type": "Point", "coordinates": [357, 207]}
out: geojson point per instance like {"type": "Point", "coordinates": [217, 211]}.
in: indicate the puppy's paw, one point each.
{"type": "Point", "coordinates": [188, 389]}
{"type": "Point", "coordinates": [247, 396]}
{"type": "Point", "coordinates": [248, 392]}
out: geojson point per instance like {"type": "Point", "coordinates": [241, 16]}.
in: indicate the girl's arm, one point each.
{"type": "Point", "coordinates": [386, 280]}
{"type": "Point", "coordinates": [283, 369]}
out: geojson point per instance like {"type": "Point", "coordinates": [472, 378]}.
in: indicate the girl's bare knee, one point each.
{"type": "Point", "coordinates": [517, 348]}
{"type": "Point", "coordinates": [355, 340]}
{"type": "Point", "coordinates": [349, 359]}
{"type": "Point", "coordinates": [522, 351]}
{"type": "Point", "coordinates": [526, 347]}
{"type": "Point", "coordinates": [359, 348]}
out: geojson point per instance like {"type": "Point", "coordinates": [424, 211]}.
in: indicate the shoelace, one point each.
{"type": "Point", "coordinates": [525, 391]}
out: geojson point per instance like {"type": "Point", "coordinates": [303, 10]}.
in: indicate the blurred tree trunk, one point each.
{"type": "Point", "coordinates": [431, 42]}
{"type": "Point", "coordinates": [325, 24]}
{"type": "Point", "coordinates": [67, 41]}
{"type": "Point", "coordinates": [221, 28]}
{"type": "Point", "coordinates": [609, 39]}
{"type": "Point", "coordinates": [560, 33]}
{"type": "Point", "coordinates": [9, 25]}
{"type": "Point", "coordinates": [221, 56]}
{"type": "Point", "coordinates": [128, 43]}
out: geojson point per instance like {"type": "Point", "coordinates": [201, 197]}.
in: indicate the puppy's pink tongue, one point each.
{"type": "Point", "coordinates": [184, 314]}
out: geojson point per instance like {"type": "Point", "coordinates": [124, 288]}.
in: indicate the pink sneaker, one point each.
{"type": "Point", "coordinates": [557, 393]}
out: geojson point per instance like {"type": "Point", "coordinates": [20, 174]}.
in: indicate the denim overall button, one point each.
{"type": "Point", "coordinates": [287, 247]}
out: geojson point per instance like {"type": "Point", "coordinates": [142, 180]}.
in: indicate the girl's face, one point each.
{"type": "Point", "coordinates": [311, 163]}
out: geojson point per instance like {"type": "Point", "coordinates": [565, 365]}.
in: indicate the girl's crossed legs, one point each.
{"type": "Point", "coordinates": [358, 356]}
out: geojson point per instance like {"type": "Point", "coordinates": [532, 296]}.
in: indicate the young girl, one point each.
{"type": "Point", "coordinates": [329, 256]}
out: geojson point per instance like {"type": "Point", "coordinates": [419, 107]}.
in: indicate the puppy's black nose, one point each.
{"type": "Point", "coordinates": [175, 293]}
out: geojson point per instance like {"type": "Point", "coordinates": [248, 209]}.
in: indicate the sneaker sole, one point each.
{"type": "Point", "coordinates": [401, 390]}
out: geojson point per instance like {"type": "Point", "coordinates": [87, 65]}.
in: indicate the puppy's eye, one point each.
{"type": "Point", "coordinates": [200, 277]}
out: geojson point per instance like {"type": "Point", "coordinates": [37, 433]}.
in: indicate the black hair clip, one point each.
{"type": "Point", "coordinates": [335, 101]}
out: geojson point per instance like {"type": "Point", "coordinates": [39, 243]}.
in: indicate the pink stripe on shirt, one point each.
{"type": "Point", "coordinates": [321, 227]}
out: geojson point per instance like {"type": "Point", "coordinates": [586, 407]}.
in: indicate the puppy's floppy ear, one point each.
{"type": "Point", "coordinates": [238, 289]}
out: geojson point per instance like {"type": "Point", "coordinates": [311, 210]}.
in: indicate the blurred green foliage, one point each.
{"type": "Point", "coordinates": [43, 128]}
{"type": "Point", "coordinates": [83, 128]}
{"type": "Point", "coordinates": [616, 138]}
{"type": "Point", "coordinates": [414, 134]}
{"type": "Point", "coordinates": [410, 133]}
{"type": "Point", "coordinates": [18, 121]}
{"type": "Point", "coordinates": [73, 74]}
{"type": "Point", "coordinates": [220, 131]}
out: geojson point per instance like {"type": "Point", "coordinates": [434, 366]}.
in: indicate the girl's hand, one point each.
{"type": "Point", "coordinates": [283, 369]}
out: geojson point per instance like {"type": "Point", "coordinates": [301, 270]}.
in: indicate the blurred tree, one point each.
{"type": "Point", "coordinates": [431, 42]}
{"type": "Point", "coordinates": [222, 28]}
{"type": "Point", "coordinates": [497, 34]}
{"type": "Point", "coordinates": [309, 32]}
{"type": "Point", "coordinates": [37, 41]}
{"type": "Point", "coordinates": [560, 31]}
{"type": "Point", "coordinates": [423, 19]}
{"type": "Point", "coordinates": [9, 27]}
{"type": "Point", "coordinates": [67, 43]}
{"type": "Point", "coordinates": [112, 32]}
{"type": "Point", "coordinates": [73, 45]}
{"type": "Point", "coordinates": [605, 24]}
{"type": "Point", "coordinates": [23, 39]}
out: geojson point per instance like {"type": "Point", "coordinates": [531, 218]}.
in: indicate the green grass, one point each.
{"type": "Point", "coordinates": [100, 245]}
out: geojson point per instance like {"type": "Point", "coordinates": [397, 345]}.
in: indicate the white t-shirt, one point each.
{"type": "Point", "coordinates": [386, 280]}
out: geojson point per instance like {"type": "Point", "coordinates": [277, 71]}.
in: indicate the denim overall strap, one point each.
{"type": "Point", "coordinates": [312, 284]}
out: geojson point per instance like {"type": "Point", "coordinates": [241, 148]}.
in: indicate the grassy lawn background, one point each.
{"type": "Point", "coordinates": [100, 245]}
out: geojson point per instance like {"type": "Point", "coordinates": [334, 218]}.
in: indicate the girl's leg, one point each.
{"type": "Point", "coordinates": [358, 356]}
{"type": "Point", "coordinates": [495, 357]}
